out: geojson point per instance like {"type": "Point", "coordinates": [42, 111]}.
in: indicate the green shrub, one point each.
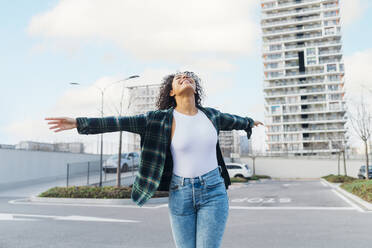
{"type": "Point", "coordinates": [238, 180]}
{"type": "Point", "coordinates": [106, 192]}
{"type": "Point", "coordinates": [255, 177]}
{"type": "Point", "coordinates": [360, 187]}
{"type": "Point", "coordinates": [263, 176]}
{"type": "Point", "coordinates": [339, 179]}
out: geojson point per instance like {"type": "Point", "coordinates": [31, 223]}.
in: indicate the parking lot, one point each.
{"type": "Point", "coordinates": [268, 213]}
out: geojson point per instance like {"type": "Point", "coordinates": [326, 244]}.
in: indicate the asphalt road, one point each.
{"type": "Point", "coordinates": [270, 213]}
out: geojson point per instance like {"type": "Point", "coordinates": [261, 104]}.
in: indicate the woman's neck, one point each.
{"type": "Point", "coordinates": [186, 106]}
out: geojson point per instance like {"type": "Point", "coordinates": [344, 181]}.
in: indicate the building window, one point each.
{"type": "Point", "coordinates": [341, 67]}
{"type": "Point", "coordinates": [275, 109]}
{"type": "Point", "coordinates": [275, 47]}
{"type": "Point", "coordinates": [330, 30]}
{"type": "Point", "coordinates": [334, 106]}
{"type": "Point", "coordinates": [333, 87]}
{"type": "Point", "coordinates": [311, 60]}
{"type": "Point", "coordinates": [331, 67]}
{"type": "Point", "coordinates": [310, 51]}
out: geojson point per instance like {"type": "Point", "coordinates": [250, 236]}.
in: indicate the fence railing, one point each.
{"type": "Point", "coordinates": [88, 173]}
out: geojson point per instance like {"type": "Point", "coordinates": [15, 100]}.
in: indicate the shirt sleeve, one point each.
{"type": "Point", "coordinates": [230, 121]}
{"type": "Point", "coordinates": [134, 124]}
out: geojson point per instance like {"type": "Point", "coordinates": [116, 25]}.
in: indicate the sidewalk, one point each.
{"type": "Point", "coordinates": [353, 198]}
{"type": "Point", "coordinates": [34, 188]}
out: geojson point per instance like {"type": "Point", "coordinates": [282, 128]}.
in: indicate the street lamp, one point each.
{"type": "Point", "coordinates": [102, 90]}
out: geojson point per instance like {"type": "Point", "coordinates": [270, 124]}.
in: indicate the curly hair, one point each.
{"type": "Point", "coordinates": [166, 101]}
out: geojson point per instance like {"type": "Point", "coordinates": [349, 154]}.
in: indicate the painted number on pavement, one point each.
{"type": "Point", "coordinates": [262, 200]}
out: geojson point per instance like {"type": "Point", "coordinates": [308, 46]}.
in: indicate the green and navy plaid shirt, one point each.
{"type": "Point", "coordinates": [154, 128]}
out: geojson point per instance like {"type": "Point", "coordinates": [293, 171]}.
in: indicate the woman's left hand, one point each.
{"type": "Point", "coordinates": [256, 123]}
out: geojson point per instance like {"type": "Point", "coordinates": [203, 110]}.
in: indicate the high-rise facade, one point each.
{"type": "Point", "coordinates": [305, 108]}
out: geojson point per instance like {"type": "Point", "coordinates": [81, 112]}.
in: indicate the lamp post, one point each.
{"type": "Point", "coordinates": [102, 90]}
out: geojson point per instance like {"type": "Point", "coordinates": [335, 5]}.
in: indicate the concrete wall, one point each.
{"type": "Point", "coordinates": [302, 167]}
{"type": "Point", "coordinates": [17, 166]}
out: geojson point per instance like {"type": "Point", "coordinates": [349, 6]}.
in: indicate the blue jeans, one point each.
{"type": "Point", "coordinates": [198, 210]}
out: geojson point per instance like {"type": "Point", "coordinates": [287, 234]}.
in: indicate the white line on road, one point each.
{"type": "Point", "coordinates": [7, 216]}
{"type": "Point", "coordinates": [291, 208]}
{"type": "Point", "coordinates": [325, 185]}
{"type": "Point", "coordinates": [25, 202]}
{"type": "Point", "coordinates": [348, 201]}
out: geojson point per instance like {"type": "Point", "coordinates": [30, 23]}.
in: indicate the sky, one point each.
{"type": "Point", "coordinates": [46, 45]}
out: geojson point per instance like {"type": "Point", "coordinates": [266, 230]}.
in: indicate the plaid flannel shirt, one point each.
{"type": "Point", "coordinates": [154, 128]}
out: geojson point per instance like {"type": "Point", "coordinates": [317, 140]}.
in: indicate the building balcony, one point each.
{"type": "Point", "coordinates": [315, 130]}
{"type": "Point", "coordinates": [266, 15]}
{"type": "Point", "coordinates": [290, 4]}
{"type": "Point", "coordinates": [294, 38]}
{"type": "Point", "coordinates": [295, 47]}
{"type": "Point", "coordinates": [292, 30]}
{"type": "Point", "coordinates": [290, 22]}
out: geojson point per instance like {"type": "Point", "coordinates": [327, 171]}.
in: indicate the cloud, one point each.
{"type": "Point", "coordinates": [175, 31]}
{"type": "Point", "coordinates": [351, 11]}
{"type": "Point", "coordinates": [357, 73]}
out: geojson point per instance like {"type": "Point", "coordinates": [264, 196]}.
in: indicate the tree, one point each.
{"type": "Point", "coordinates": [341, 149]}
{"type": "Point", "coordinates": [361, 123]}
{"type": "Point", "coordinates": [253, 154]}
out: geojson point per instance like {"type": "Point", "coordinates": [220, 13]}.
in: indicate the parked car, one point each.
{"type": "Point", "coordinates": [127, 162]}
{"type": "Point", "coordinates": [362, 172]}
{"type": "Point", "coordinates": [239, 170]}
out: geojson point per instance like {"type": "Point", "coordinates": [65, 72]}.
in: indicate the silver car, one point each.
{"type": "Point", "coordinates": [239, 170]}
{"type": "Point", "coordinates": [128, 162]}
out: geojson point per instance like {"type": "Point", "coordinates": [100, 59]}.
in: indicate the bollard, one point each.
{"type": "Point", "coordinates": [88, 174]}
{"type": "Point", "coordinates": [68, 170]}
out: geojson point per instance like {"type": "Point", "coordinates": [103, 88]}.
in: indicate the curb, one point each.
{"type": "Point", "coordinates": [95, 201]}
{"type": "Point", "coordinates": [362, 203]}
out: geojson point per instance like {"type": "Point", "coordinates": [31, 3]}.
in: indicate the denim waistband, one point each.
{"type": "Point", "coordinates": [207, 176]}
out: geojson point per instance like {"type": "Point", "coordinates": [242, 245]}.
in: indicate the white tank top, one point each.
{"type": "Point", "coordinates": [193, 145]}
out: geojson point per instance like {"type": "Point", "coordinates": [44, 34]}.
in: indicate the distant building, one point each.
{"type": "Point", "coordinates": [245, 145]}
{"type": "Point", "coordinates": [142, 99]}
{"type": "Point", "coordinates": [74, 147]}
{"type": "Point", "coordinates": [229, 142]}
{"type": "Point", "coordinates": [6, 146]}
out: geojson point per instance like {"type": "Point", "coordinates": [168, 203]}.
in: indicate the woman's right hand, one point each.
{"type": "Point", "coordinates": [62, 123]}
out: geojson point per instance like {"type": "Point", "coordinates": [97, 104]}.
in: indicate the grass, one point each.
{"type": "Point", "coordinates": [339, 179]}
{"type": "Point", "coordinates": [360, 187]}
{"type": "Point", "coordinates": [105, 192]}
{"type": "Point", "coordinates": [243, 180]}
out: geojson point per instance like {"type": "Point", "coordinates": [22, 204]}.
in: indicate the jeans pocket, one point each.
{"type": "Point", "coordinates": [174, 186]}
{"type": "Point", "coordinates": [213, 183]}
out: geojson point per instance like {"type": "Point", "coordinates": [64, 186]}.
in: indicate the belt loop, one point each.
{"type": "Point", "coordinates": [201, 180]}
{"type": "Point", "coordinates": [182, 181]}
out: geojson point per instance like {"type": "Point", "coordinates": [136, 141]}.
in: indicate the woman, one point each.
{"type": "Point", "coordinates": [185, 160]}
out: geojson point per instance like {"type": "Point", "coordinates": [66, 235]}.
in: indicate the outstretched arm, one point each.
{"type": "Point", "coordinates": [230, 121]}
{"type": "Point", "coordinates": [84, 125]}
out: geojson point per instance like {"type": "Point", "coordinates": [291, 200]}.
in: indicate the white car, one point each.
{"type": "Point", "coordinates": [127, 162]}
{"type": "Point", "coordinates": [239, 170]}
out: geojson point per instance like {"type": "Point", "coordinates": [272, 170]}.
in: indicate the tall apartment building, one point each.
{"type": "Point", "coordinates": [305, 107]}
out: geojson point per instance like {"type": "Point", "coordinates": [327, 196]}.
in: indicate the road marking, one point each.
{"type": "Point", "coordinates": [7, 216]}
{"type": "Point", "coordinates": [263, 200]}
{"type": "Point", "coordinates": [291, 208]}
{"type": "Point", "coordinates": [25, 202]}
{"type": "Point", "coordinates": [348, 201]}
{"type": "Point", "coordinates": [11, 217]}
{"type": "Point", "coordinates": [324, 184]}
